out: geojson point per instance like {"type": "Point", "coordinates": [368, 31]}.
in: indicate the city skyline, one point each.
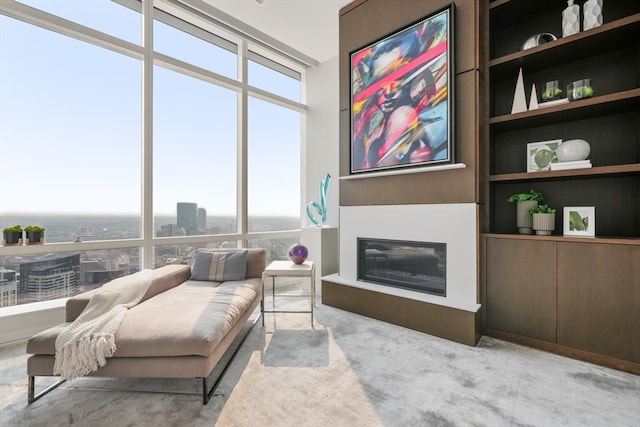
{"type": "Point", "coordinates": [28, 278]}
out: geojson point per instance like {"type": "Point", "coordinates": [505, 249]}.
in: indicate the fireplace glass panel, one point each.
{"type": "Point", "coordinates": [417, 266]}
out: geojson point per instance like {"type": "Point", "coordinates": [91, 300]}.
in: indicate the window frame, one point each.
{"type": "Point", "coordinates": [247, 49]}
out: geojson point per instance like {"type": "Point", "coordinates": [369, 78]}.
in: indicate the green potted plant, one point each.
{"type": "Point", "coordinates": [543, 219]}
{"type": "Point", "coordinates": [12, 236]}
{"type": "Point", "coordinates": [35, 235]}
{"type": "Point", "coordinates": [525, 201]}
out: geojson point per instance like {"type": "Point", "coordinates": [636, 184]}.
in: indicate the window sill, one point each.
{"type": "Point", "coordinates": [18, 310]}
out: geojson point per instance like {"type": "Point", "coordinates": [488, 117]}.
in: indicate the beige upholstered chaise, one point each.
{"type": "Point", "coordinates": [180, 329]}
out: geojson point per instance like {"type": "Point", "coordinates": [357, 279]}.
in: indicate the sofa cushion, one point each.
{"type": "Point", "coordinates": [256, 259]}
{"type": "Point", "coordinates": [45, 342]}
{"type": "Point", "coordinates": [190, 319]}
{"type": "Point", "coordinates": [220, 266]}
{"type": "Point", "coordinates": [164, 278]}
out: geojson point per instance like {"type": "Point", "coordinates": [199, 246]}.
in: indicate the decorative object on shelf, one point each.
{"type": "Point", "coordinates": [540, 155]}
{"type": "Point", "coordinates": [570, 19]}
{"type": "Point", "coordinates": [298, 253]}
{"type": "Point", "coordinates": [519, 96]}
{"type": "Point", "coordinates": [321, 208]}
{"type": "Point", "coordinates": [580, 89]}
{"type": "Point", "coordinates": [579, 221]}
{"type": "Point", "coordinates": [533, 99]}
{"type": "Point", "coordinates": [577, 164]}
{"type": "Point", "coordinates": [525, 201]}
{"type": "Point", "coordinates": [592, 14]}
{"type": "Point", "coordinates": [402, 102]}
{"type": "Point", "coordinates": [538, 39]}
{"type": "Point", "coordinates": [12, 236]}
{"type": "Point", "coordinates": [572, 150]}
{"type": "Point", "coordinates": [543, 219]}
{"type": "Point", "coordinates": [35, 235]}
{"type": "Point", "coordinates": [552, 91]}
{"type": "Point", "coordinates": [552, 103]}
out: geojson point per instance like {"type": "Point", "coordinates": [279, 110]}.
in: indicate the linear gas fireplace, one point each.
{"type": "Point", "coordinates": [417, 266]}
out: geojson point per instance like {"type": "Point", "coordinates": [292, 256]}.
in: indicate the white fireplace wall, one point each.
{"type": "Point", "coordinates": [453, 224]}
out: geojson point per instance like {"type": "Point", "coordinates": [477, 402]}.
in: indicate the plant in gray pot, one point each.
{"type": "Point", "coordinates": [544, 219]}
{"type": "Point", "coordinates": [525, 201]}
{"type": "Point", "coordinates": [12, 236]}
{"type": "Point", "coordinates": [35, 235]}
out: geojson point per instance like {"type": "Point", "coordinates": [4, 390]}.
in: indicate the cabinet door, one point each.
{"type": "Point", "coordinates": [599, 298]}
{"type": "Point", "coordinates": [521, 287]}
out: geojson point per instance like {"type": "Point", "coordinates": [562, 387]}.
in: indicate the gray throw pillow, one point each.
{"type": "Point", "coordinates": [220, 266]}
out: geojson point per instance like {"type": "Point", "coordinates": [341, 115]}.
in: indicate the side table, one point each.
{"type": "Point", "coordinates": [289, 269]}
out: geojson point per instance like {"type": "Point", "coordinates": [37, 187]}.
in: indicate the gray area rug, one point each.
{"type": "Point", "coordinates": [348, 370]}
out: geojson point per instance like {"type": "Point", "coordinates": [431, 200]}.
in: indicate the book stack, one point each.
{"type": "Point", "coordinates": [577, 164]}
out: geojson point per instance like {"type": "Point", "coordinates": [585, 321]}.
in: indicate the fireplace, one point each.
{"type": "Point", "coordinates": [411, 265]}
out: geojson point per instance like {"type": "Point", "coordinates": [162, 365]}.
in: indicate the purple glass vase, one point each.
{"type": "Point", "coordinates": [298, 253]}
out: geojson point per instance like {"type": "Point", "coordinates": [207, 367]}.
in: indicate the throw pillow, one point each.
{"type": "Point", "coordinates": [220, 266]}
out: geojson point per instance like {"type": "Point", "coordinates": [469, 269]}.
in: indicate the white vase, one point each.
{"type": "Point", "coordinates": [572, 150]}
{"type": "Point", "coordinates": [570, 19]}
{"type": "Point", "coordinates": [592, 11]}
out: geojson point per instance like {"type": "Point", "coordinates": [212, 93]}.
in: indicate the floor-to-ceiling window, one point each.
{"type": "Point", "coordinates": [220, 167]}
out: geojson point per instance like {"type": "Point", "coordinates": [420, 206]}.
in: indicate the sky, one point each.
{"type": "Point", "coordinates": [71, 123]}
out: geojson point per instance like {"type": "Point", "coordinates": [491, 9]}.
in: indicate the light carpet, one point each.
{"type": "Point", "coordinates": [348, 370]}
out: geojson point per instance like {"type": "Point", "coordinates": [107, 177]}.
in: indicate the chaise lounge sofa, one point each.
{"type": "Point", "coordinates": [181, 327]}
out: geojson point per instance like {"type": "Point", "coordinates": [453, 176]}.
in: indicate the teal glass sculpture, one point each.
{"type": "Point", "coordinates": [321, 208]}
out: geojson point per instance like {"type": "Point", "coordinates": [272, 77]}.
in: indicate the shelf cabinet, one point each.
{"type": "Point", "coordinates": [609, 121]}
{"type": "Point", "coordinates": [599, 299]}
{"type": "Point", "coordinates": [522, 297]}
{"type": "Point", "coordinates": [586, 301]}
{"type": "Point", "coordinates": [576, 294]}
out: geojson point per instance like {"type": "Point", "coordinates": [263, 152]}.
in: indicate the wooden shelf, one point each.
{"type": "Point", "coordinates": [616, 34]}
{"type": "Point", "coordinates": [569, 173]}
{"type": "Point", "coordinates": [548, 318]}
{"type": "Point", "coordinates": [582, 109]}
{"type": "Point", "coordinates": [633, 241]}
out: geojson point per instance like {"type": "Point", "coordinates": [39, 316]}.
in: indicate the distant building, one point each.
{"type": "Point", "coordinates": [202, 219]}
{"type": "Point", "coordinates": [8, 288]}
{"type": "Point", "coordinates": [167, 230]}
{"type": "Point", "coordinates": [50, 278]}
{"type": "Point", "coordinates": [188, 218]}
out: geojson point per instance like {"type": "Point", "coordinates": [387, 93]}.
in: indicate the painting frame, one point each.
{"type": "Point", "coordinates": [586, 217]}
{"type": "Point", "coordinates": [534, 148]}
{"type": "Point", "coordinates": [402, 91]}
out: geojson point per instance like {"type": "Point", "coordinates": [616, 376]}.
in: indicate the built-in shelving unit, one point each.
{"type": "Point", "coordinates": [610, 122]}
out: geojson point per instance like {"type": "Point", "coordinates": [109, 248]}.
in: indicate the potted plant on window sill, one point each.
{"type": "Point", "coordinates": [525, 201]}
{"type": "Point", "coordinates": [35, 235]}
{"type": "Point", "coordinates": [543, 219]}
{"type": "Point", "coordinates": [12, 236]}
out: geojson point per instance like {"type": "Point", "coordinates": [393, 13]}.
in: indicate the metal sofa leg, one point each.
{"type": "Point", "coordinates": [32, 397]}
{"type": "Point", "coordinates": [207, 393]}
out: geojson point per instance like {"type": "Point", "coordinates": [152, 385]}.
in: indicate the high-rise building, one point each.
{"type": "Point", "coordinates": [50, 278]}
{"type": "Point", "coordinates": [188, 217]}
{"type": "Point", "coordinates": [202, 219]}
{"type": "Point", "coordinates": [8, 288]}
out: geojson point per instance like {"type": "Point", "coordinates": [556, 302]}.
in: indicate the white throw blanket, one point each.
{"type": "Point", "coordinates": [86, 343]}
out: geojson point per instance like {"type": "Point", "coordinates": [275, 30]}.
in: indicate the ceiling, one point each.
{"type": "Point", "coordinates": [308, 26]}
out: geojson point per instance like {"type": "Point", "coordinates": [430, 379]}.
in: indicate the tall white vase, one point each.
{"type": "Point", "coordinates": [592, 11]}
{"type": "Point", "coordinates": [570, 19]}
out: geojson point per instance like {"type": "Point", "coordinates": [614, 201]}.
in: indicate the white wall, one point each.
{"type": "Point", "coordinates": [320, 156]}
{"type": "Point", "coordinates": [453, 224]}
